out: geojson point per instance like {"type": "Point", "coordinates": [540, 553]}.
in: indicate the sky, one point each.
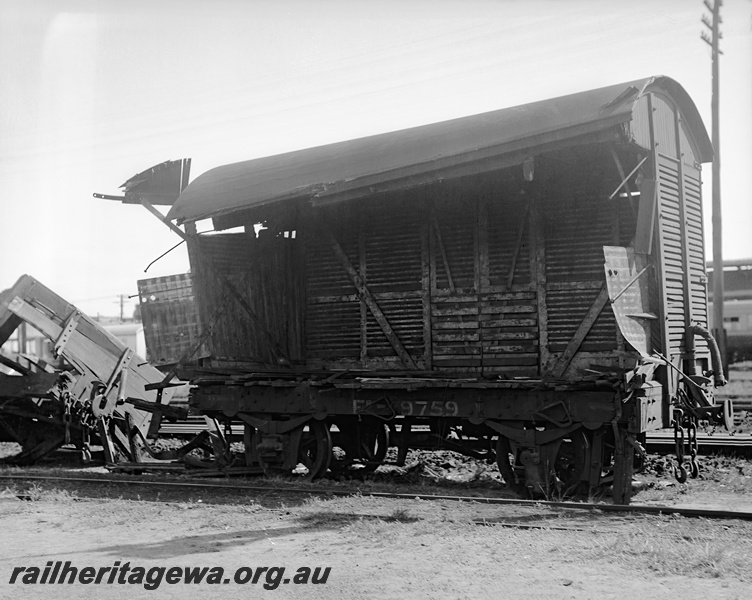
{"type": "Point", "coordinates": [93, 92]}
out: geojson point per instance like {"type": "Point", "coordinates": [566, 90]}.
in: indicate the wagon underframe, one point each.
{"type": "Point", "coordinates": [532, 425]}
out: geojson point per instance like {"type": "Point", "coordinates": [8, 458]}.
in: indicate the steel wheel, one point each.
{"type": "Point", "coordinates": [562, 477]}
{"type": "Point", "coordinates": [364, 445]}
{"type": "Point", "coordinates": [373, 444]}
{"type": "Point", "coordinates": [570, 463]}
{"type": "Point", "coordinates": [506, 460]}
{"type": "Point", "coordinates": [315, 450]}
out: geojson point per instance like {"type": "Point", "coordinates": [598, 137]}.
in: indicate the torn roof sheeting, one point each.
{"type": "Point", "coordinates": [357, 167]}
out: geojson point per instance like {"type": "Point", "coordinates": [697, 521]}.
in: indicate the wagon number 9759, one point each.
{"type": "Point", "coordinates": [428, 408]}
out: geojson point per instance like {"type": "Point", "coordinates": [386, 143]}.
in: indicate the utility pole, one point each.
{"type": "Point", "coordinates": [122, 306]}
{"type": "Point", "coordinates": [718, 326]}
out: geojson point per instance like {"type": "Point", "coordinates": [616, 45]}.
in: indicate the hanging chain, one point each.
{"type": "Point", "coordinates": [685, 440]}
{"type": "Point", "coordinates": [694, 466]}
{"type": "Point", "coordinates": [679, 438]}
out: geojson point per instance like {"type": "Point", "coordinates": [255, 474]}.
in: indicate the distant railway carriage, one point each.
{"type": "Point", "coordinates": [737, 308]}
{"type": "Point", "coordinates": [738, 329]}
{"type": "Point", "coordinates": [526, 284]}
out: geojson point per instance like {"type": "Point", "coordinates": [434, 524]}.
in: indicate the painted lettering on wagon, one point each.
{"type": "Point", "coordinates": [408, 408]}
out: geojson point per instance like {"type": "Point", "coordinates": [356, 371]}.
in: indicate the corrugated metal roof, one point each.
{"type": "Point", "coordinates": [357, 167]}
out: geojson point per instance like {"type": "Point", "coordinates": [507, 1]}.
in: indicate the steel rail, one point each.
{"type": "Point", "coordinates": [194, 424]}
{"type": "Point", "coordinates": [193, 427]}
{"type": "Point", "coordinates": [586, 506]}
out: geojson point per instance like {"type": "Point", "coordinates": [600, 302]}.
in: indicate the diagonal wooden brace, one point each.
{"type": "Point", "coordinates": [587, 323]}
{"type": "Point", "coordinates": [366, 295]}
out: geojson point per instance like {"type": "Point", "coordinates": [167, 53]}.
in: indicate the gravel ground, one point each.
{"type": "Point", "coordinates": [376, 547]}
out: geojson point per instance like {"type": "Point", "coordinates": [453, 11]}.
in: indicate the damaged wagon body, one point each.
{"type": "Point", "coordinates": [99, 391]}
{"type": "Point", "coordinates": [526, 285]}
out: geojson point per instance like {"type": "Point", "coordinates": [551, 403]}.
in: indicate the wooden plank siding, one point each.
{"type": "Point", "coordinates": [476, 297]}
{"type": "Point", "coordinates": [463, 276]}
{"type": "Point", "coordinates": [509, 317]}
{"type": "Point", "coordinates": [672, 260]}
{"type": "Point", "coordinates": [455, 275]}
{"type": "Point", "coordinates": [170, 316]}
{"type": "Point", "coordinates": [577, 226]}
{"type": "Point", "coordinates": [484, 274]}
{"type": "Point", "coordinates": [695, 242]}
{"type": "Point", "coordinates": [250, 292]}
{"type": "Point", "coordinates": [680, 230]}
{"type": "Point", "coordinates": [384, 245]}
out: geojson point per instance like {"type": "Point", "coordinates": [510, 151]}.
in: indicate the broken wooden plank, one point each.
{"type": "Point", "coordinates": [517, 247]}
{"type": "Point", "coordinates": [442, 249]}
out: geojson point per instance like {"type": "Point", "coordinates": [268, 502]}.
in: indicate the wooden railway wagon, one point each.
{"type": "Point", "coordinates": [99, 390]}
{"type": "Point", "coordinates": [526, 284]}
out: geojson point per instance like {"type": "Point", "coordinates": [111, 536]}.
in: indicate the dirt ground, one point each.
{"type": "Point", "coordinates": [375, 547]}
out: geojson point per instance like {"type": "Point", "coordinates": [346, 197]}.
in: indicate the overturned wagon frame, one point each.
{"type": "Point", "coordinates": [101, 388]}
{"type": "Point", "coordinates": [450, 279]}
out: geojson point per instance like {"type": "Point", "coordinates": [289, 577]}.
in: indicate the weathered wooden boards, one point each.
{"type": "Point", "coordinates": [98, 357]}
{"type": "Point", "coordinates": [468, 277]}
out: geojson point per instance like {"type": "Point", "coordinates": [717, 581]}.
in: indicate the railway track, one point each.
{"type": "Point", "coordinates": [282, 491]}
{"type": "Point", "coordinates": [662, 442]}
{"type": "Point", "coordinates": [658, 442]}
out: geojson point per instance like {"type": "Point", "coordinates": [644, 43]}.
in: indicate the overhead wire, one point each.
{"type": "Point", "coordinates": [468, 40]}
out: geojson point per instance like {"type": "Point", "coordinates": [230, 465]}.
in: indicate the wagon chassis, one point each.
{"type": "Point", "coordinates": [547, 439]}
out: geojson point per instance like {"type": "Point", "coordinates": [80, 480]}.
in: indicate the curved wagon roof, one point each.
{"type": "Point", "coordinates": [426, 153]}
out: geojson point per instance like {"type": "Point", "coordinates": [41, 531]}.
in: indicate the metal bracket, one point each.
{"type": "Point", "coordinates": [531, 438]}
{"type": "Point", "coordinates": [70, 326]}
{"type": "Point", "coordinates": [565, 421]}
{"type": "Point", "coordinates": [365, 409]}
{"type": "Point", "coordinates": [119, 372]}
{"type": "Point", "coordinates": [272, 427]}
